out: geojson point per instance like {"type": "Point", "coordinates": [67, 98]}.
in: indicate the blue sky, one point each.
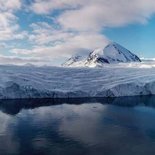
{"type": "Point", "coordinates": [50, 31]}
{"type": "Point", "coordinates": [139, 38]}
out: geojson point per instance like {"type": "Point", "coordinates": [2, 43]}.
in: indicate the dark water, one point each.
{"type": "Point", "coordinates": [120, 126]}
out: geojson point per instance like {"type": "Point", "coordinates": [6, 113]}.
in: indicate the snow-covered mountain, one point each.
{"type": "Point", "coordinates": [112, 53]}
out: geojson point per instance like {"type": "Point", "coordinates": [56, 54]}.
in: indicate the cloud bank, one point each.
{"type": "Point", "coordinates": [66, 27]}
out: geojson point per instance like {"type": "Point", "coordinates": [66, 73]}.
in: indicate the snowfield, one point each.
{"type": "Point", "coordinates": [112, 80]}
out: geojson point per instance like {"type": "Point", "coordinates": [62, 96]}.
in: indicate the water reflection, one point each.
{"type": "Point", "coordinates": [78, 126]}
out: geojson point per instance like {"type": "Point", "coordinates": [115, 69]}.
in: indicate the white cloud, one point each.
{"type": "Point", "coordinates": [43, 33]}
{"type": "Point", "coordinates": [10, 5]}
{"type": "Point", "coordinates": [49, 43]}
{"type": "Point", "coordinates": [22, 61]}
{"type": "Point", "coordinates": [9, 27]}
{"type": "Point", "coordinates": [79, 24]}
{"type": "Point", "coordinates": [47, 6]}
{"type": "Point", "coordinates": [96, 14]}
{"type": "Point", "coordinates": [61, 44]}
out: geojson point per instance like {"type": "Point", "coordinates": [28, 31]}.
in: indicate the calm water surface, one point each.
{"type": "Point", "coordinates": [120, 126]}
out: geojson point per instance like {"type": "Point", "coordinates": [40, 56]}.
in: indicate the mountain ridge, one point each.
{"type": "Point", "coordinates": [111, 54]}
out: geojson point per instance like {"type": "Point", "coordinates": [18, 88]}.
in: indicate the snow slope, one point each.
{"type": "Point", "coordinates": [127, 79]}
{"type": "Point", "coordinates": [112, 53]}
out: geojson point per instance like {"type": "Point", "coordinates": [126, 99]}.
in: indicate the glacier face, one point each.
{"type": "Point", "coordinates": [112, 53]}
{"type": "Point", "coordinates": [127, 79]}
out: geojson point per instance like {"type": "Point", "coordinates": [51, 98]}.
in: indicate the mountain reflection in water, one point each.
{"type": "Point", "coordinates": [120, 126]}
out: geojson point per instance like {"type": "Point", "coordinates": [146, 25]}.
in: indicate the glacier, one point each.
{"type": "Point", "coordinates": [112, 80]}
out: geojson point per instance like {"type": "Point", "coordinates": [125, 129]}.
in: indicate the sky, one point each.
{"type": "Point", "coordinates": [50, 31]}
